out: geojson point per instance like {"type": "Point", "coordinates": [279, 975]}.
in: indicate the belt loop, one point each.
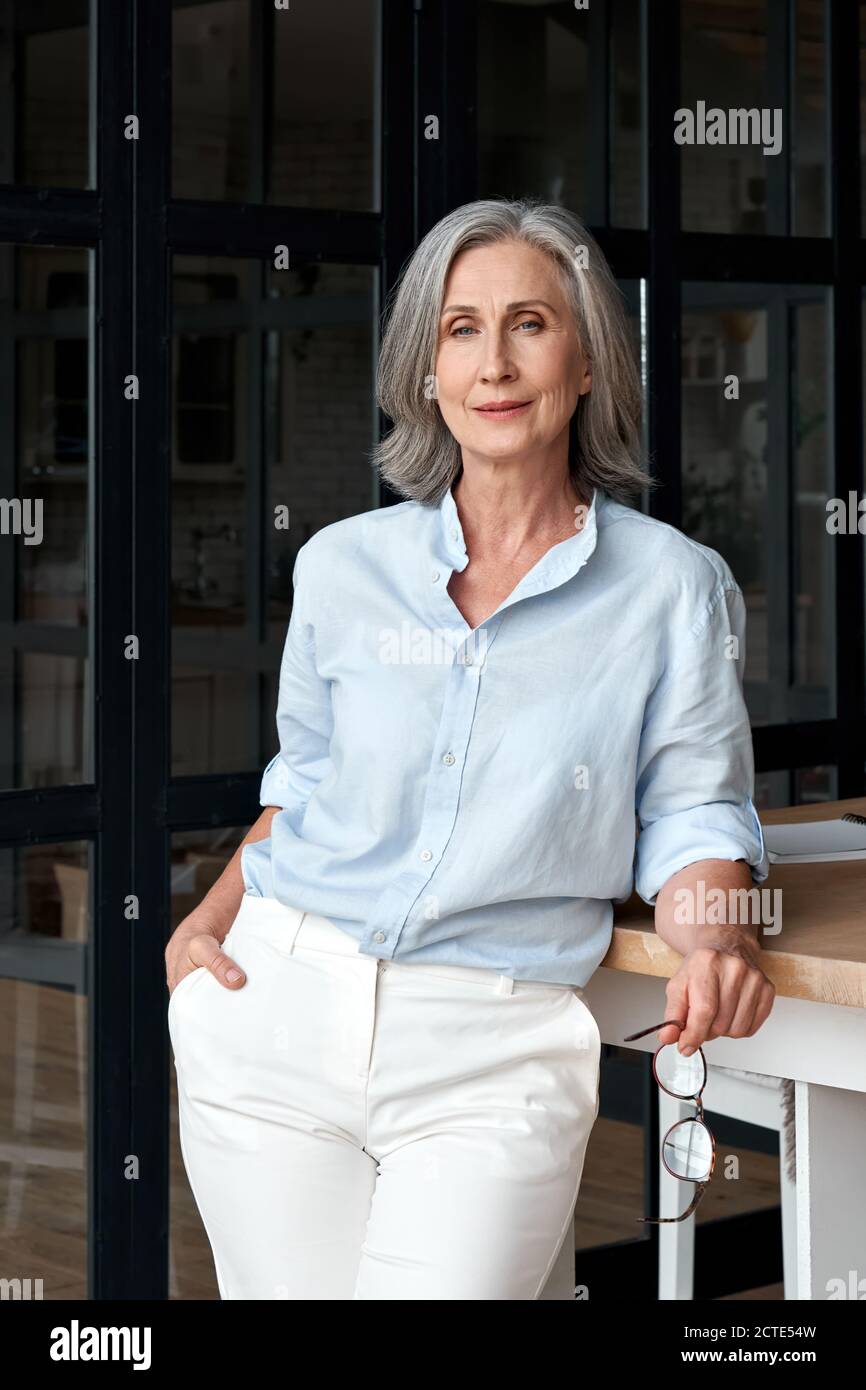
{"type": "Point", "coordinates": [505, 985]}
{"type": "Point", "coordinates": [297, 927]}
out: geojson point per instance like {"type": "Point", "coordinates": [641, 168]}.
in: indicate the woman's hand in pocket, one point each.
{"type": "Point", "coordinates": [196, 942]}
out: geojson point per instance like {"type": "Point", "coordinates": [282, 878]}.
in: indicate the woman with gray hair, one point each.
{"type": "Point", "coordinates": [387, 1069]}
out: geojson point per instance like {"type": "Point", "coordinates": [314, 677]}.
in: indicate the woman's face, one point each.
{"type": "Point", "coordinates": [507, 334]}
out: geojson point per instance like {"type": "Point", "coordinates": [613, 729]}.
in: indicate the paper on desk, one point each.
{"type": "Point", "coordinates": [815, 842]}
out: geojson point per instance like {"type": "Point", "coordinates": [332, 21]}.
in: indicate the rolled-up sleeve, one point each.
{"type": "Point", "coordinates": [695, 773]}
{"type": "Point", "coordinates": [304, 712]}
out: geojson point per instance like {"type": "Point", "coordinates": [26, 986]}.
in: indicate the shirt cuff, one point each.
{"type": "Point", "coordinates": [720, 830]}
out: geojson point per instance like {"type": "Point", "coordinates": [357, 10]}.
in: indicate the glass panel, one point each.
{"type": "Point", "coordinates": [198, 857]}
{"type": "Point", "coordinates": [549, 117]}
{"type": "Point", "coordinates": [44, 933]}
{"type": "Point", "coordinates": [45, 111]}
{"type": "Point", "coordinates": [627, 185]}
{"type": "Point", "coordinates": [724, 66]}
{"type": "Point", "coordinates": [311, 340]}
{"type": "Point", "coordinates": [325, 151]}
{"type": "Point", "coordinates": [44, 484]}
{"type": "Point", "coordinates": [813, 554]}
{"type": "Point", "coordinates": [210, 93]}
{"type": "Point", "coordinates": [816, 784]}
{"type": "Point", "coordinates": [798, 787]}
{"type": "Point", "coordinates": [810, 160]}
{"type": "Point", "coordinates": [533, 102]}
{"type": "Point", "coordinates": [756, 476]}
{"type": "Point", "coordinates": [320, 402]}
{"type": "Point", "coordinates": [214, 300]}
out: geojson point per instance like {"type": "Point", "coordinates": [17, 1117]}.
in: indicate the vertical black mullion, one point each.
{"type": "Point", "coordinates": [781, 57]}
{"type": "Point", "coordinates": [597, 147]}
{"type": "Point", "coordinates": [261, 67]}
{"type": "Point", "coordinates": [662, 38]}
{"type": "Point", "coordinates": [259, 522]}
{"type": "Point", "coordinates": [113, 1199]}
{"type": "Point", "coordinates": [151, 620]}
{"type": "Point", "coordinates": [257, 550]}
{"type": "Point", "coordinates": [447, 88]}
{"type": "Point", "coordinates": [846, 368]}
{"type": "Point", "coordinates": [398, 121]}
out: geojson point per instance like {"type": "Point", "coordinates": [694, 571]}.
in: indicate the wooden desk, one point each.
{"type": "Point", "coordinates": [815, 1035]}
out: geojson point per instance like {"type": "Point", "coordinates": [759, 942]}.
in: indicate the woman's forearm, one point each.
{"type": "Point", "coordinates": [219, 907]}
{"type": "Point", "coordinates": [687, 911]}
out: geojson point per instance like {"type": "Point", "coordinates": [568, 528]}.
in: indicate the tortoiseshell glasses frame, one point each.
{"type": "Point", "coordinates": [698, 1119]}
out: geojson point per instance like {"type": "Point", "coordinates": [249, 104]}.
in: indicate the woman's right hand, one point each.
{"type": "Point", "coordinates": [195, 942]}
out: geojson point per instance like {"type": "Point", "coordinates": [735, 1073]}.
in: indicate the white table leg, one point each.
{"type": "Point", "coordinates": [831, 1192]}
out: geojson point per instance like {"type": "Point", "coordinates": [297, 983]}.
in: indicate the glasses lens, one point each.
{"type": "Point", "coordinates": [682, 1076]}
{"type": "Point", "coordinates": [688, 1150]}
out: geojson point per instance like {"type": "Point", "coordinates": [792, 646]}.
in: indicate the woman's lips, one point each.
{"type": "Point", "coordinates": [507, 414]}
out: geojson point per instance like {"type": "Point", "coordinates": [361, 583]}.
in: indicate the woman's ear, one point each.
{"type": "Point", "coordinates": [586, 380]}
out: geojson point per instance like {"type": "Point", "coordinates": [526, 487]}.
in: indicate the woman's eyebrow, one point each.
{"type": "Point", "coordinates": [509, 308]}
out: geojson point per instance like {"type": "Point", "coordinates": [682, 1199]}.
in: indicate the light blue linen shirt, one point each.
{"type": "Point", "coordinates": [469, 796]}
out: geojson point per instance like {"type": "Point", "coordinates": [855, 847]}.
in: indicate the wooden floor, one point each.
{"type": "Point", "coordinates": [42, 1177]}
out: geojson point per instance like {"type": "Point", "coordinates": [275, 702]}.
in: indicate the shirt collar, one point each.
{"type": "Point", "coordinates": [558, 564]}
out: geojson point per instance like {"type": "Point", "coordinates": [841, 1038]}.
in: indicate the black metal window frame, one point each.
{"type": "Point", "coordinates": [428, 63]}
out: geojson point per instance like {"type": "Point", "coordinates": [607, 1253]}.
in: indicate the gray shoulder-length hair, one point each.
{"type": "Point", "coordinates": [419, 458]}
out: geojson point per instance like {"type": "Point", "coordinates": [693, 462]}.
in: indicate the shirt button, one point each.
{"type": "Point", "coordinates": [448, 759]}
{"type": "Point", "coordinates": [434, 576]}
{"type": "Point", "coordinates": [467, 659]}
{"type": "Point", "coordinates": [455, 533]}
{"type": "Point", "coordinates": [426, 854]}
{"type": "Point", "coordinates": [379, 937]}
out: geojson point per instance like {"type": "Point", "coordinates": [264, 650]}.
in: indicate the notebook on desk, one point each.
{"type": "Point", "coordinates": [816, 842]}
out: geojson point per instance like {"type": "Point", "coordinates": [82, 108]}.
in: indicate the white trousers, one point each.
{"type": "Point", "coordinates": [357, 1129]}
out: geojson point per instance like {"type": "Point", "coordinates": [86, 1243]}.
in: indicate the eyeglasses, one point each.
{"type": "Point", "coordinates": [688, 1148]}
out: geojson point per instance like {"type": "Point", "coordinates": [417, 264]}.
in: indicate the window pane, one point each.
{"type": "Point", "coordinates": [249, 489]}
{"type": "Point", "coordinates": [213, 554]}
{"type": "Point", "coordinates": [44, 484]}
{"type": "Point", "coordinates": [44, 935]}
{"type": "Point", "coordinates": [756, 480]}
{"type": "Point", "coordinates": [627, 137]}
{"type": "Point", "coordinates": [45, 113]}
{"type": "Point", "coordinates": [321, 413]}
{"type": "Point", "coordinates": [210, 94]}
{"type": "Point", "coordinates": [810, 161]}
{"type": "Point", "coordinates": [325, 137]}
{"type": "Point", "coordinates": [724, 66]}
{"type": "Point", "coordinates": [198, 857]}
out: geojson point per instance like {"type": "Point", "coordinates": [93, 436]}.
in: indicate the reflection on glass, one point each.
{"type": "Point", "coordinates": [756, 471]}
{"type": "Point", "coordinates": [198, 858]}
{"type": "Point", "coordinates": [724, 65]}
{"type": "Point", "coordinates": [797, 787]}
{"type": "Point", "coordinates": [810, 163]}
{"type": "Point", "coordinates": [210, 95]}
{"type": "Point", "coordinates": [320, 413]}
{"type": "Point", "coordinates": [532, 102]}
{"type": "Point", "coordinates": [248, 490]}
{"type": "Point", "coordinates": [815, 784]}
{"type": "Point", "coordinates": [44, 931]}
{"type": "Point", "coordinates": [627, 144]}
{"type": "Point", "coordinates": [45, 59]}
{"type": "Point", "coordinates": [812, 577]}
{"type": "Point", "coordinates": [323, 152]}
{"type": "Point", "coordinates": [547, 116]}
{"type": "Point", "coordinates": [213, 304]}
{"type": "Point", "coordinates": [44, 481]}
